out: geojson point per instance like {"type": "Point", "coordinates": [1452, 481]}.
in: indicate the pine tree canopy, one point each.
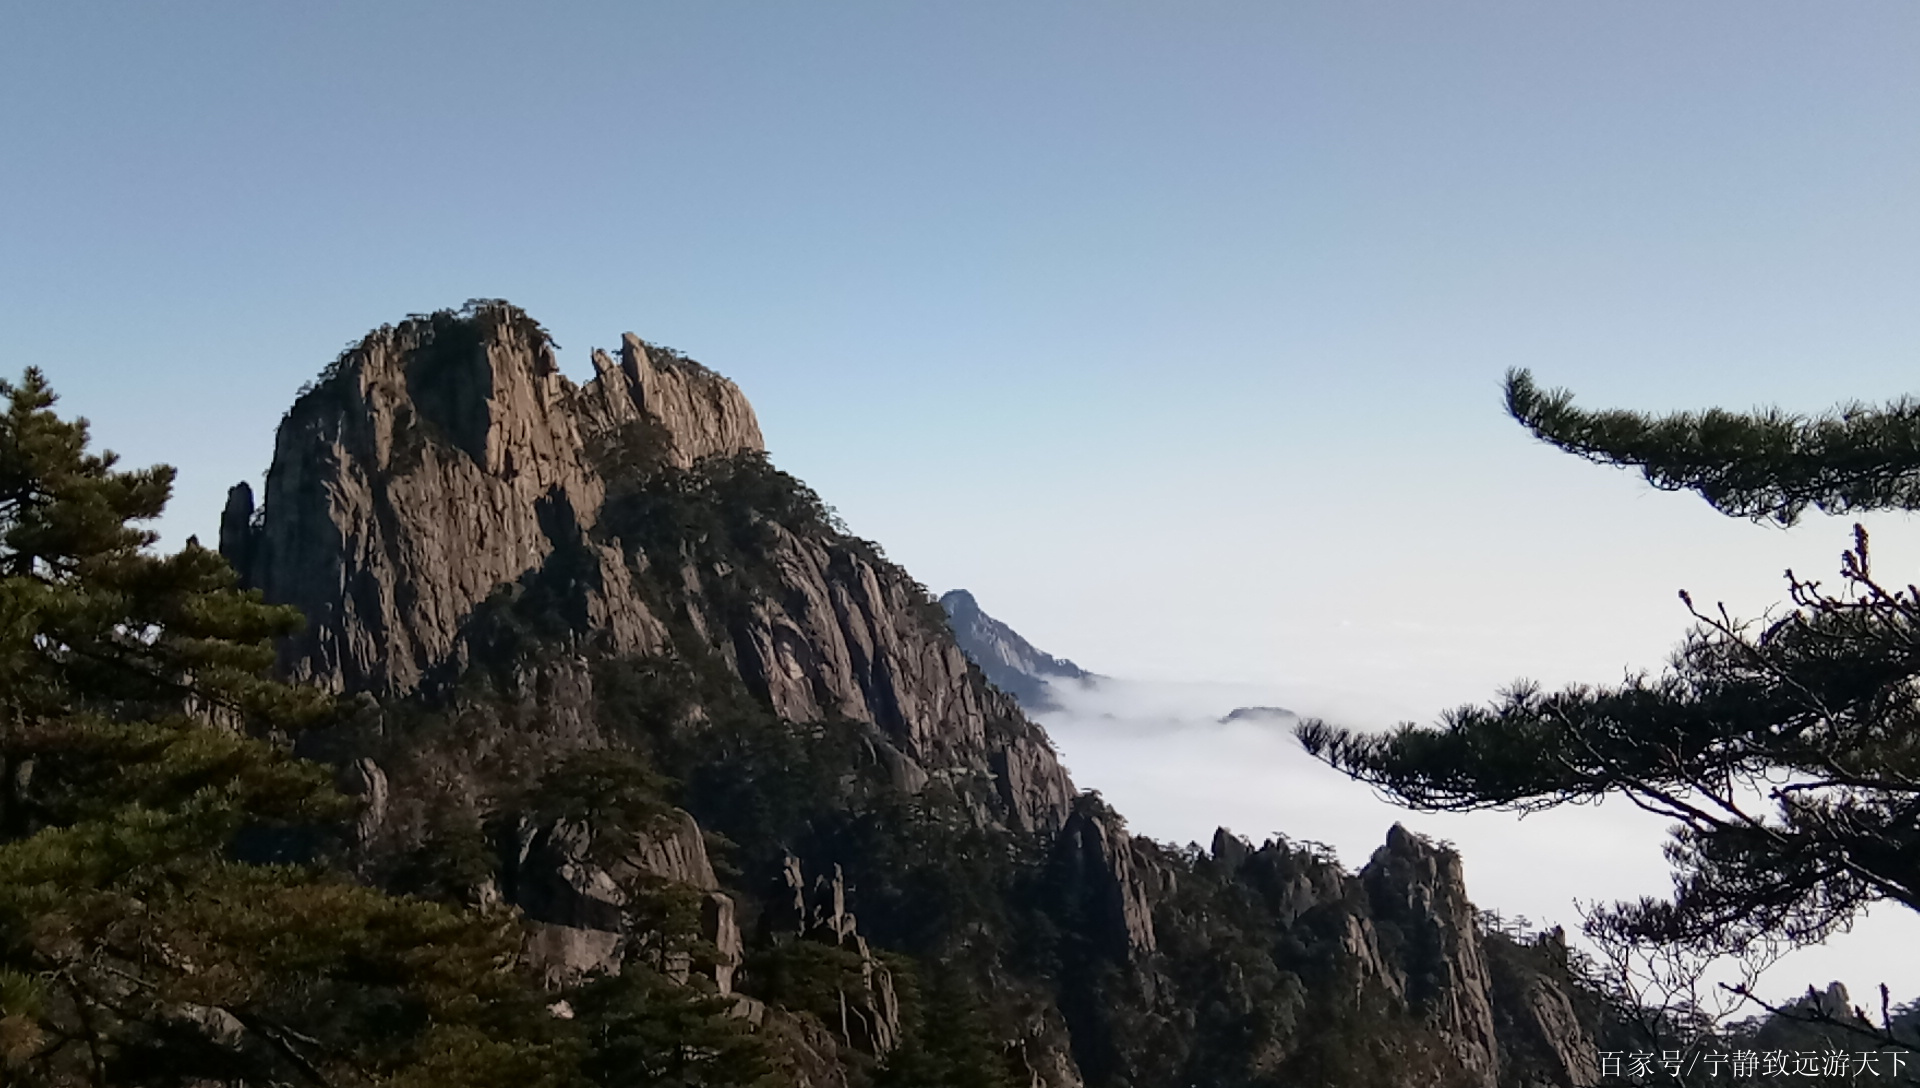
{"type": "Point", "coordinates": [1787, 751]}
{"type": "Point", "coordinates": [136, 947]}
{"type": "Point", "coordinates": [1767, 465]}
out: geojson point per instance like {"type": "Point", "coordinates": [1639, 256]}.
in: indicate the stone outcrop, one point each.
{"type": "Point", "coordinates": [869, 1013]}
{"type": "Point", "coordinates": [1419, 890]}
{"type": "Point", "coordinates": [676, 850]}
{"type": "Point", "coordinates": [1496, 1005]}
{"type": "Point", "coordinates": [364, 779]}
{"type": "Point", "coordinates": [701, 413]}
{"type": "Point", "coordinates": [1116, 878]}
{"type": "Point", "coordinates": [577, 906]}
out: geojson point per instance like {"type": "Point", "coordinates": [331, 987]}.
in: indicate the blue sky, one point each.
{"type": "Point", "coordinates": [1174, 331]}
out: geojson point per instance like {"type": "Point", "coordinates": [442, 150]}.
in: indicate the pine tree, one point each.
{"type": "Point", "coordinates": [643, 1030]}
{"type": "Point", "coordinates": [1786, 751]}
{"type": "Point", "coordinates": [141, 751]}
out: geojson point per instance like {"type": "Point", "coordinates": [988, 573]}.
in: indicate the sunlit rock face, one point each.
{"type": "Point", "coordinates": [440, 459]}
{"type": "Point", "coordinates": [504, 572]}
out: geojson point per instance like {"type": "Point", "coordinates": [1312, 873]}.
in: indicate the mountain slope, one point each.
{"type": "Point", "coordinates": [614, 671]}
{"type": "Point", "coordinates": [1013, 664]}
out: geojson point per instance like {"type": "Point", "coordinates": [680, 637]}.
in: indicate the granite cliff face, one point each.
{"type": "Point", "coordinates": [609, 668]}
{"type": "Point", "coordinates": [440, 460]}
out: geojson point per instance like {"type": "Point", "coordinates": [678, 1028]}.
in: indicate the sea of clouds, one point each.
{"type": "Point", "coordinates": [1167, 756]}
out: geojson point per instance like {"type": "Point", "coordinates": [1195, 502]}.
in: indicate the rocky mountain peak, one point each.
{"type": "Point", "coordinates": [441, 458]}
{"type": "Point", "coordinates": [701, 413]}
{"type": "Point", "coordinates": [445, 460]}
{"type": "Point", "coordinates": [1418, 888]}
{"type": "Point", "coordinates": [538, 590]}
{"type": "Point", "coordinates": [1015, 665]}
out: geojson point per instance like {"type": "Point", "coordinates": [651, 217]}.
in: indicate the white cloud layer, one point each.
{"type": "Point", "coordinates": [1160, 753]}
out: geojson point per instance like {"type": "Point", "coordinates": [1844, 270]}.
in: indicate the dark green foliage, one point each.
{"type": "Point", "coordinates": [647, 702]}
{"type": "Point", "coordinates": [1260, 990]}
{"type": "Point", "coordinates": [923, 874]}
{"type": "Point", "coordinates": [633, 454]}
{"type": "Point", "coordinates": [726, 511]}
{"type": "Point", "coordinates": [927, 874]}
{"type": "Point", "coordinates": [933, 618]}
{"type": "Point", "coordinates": [84, 609]}
{"type": "Point", "coordinates": [676, 359]}
{"type": "Point", "coordinates": [642, 1030]}
{"type": "Point", "coordinates": [765, 783]}
{"type": "Point", "coordinates": [1815, 709]}
{"type": "Point", "coordinates": [1240, 965]}
{"type": "Point", "coordinates": [1812, 710]}
{"type": "Point", "coordinates": [949, 1040]}
{"type": "Point", "coordinates": [922, 871]}
{"type": "Point", "coordinates": [1370, 1041]}
{"type": "Point", "coordinates": [1521, 964]}
{"type": "Point", "coordinates": [448, 378]}
{"type": "Point", "coordinates": [744, 773]}
{"type": "Point", "coordinates": [806, 976]}
{"type": "Point", "coordinates": [1767, 465]}
{"type": "Point", "coordinates": [614, 792]}
{"type": "Point", "coordinates": [134, 947]}
{"type": "Point", "coordinates": [452, 859]}
{"type": "Point", "coordinates": [662, 919]}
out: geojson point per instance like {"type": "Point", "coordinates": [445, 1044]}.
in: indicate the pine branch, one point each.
{"type": "Point", "coordinates": [1767, 465]}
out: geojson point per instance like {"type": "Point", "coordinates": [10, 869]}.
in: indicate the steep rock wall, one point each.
{"type": "Point", "coordinates": [1421, 892]}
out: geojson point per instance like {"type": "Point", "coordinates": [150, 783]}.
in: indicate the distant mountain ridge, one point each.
{"type": "Point", "coordinates": [1275, 714]}
{"type": "Point", "coordinates": [1013, 664]}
